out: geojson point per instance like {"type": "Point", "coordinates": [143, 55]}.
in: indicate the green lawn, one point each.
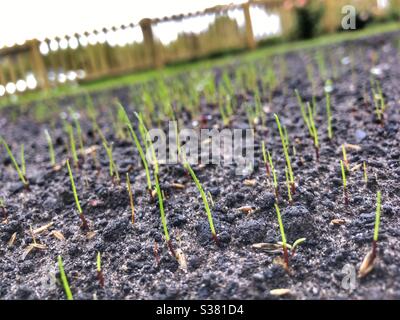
{"type": "Point", "coordinates": [170, 70]}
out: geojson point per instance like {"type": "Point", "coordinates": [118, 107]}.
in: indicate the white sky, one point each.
{"type": "Point", "coordinates": [26, 19]}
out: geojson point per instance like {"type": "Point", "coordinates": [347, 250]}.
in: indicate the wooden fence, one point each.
{"type": "Point", "coordinates": [152, 43]}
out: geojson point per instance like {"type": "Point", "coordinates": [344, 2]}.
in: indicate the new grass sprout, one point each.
{"type": "Point", "coordinates": [303, 112]}
{"type": "Point", "coordinates": [266, 163]}
{"type": "Point", "coordinates": [286, 152]}
{"type": "Point", "coordinates": [314, 131]}
{"type": "Point", "coordinates": [64, 279]}
{"type": "Point", "coordinates": [365, 172]}
{"type": "Point", "coordinates": [345, 160]}
{"type": "Point", "coordinates": [344, 180]}
{"type": "Point", "coordinates": [100, 275]}
{"type": "Point", "coordinates": [19, 170]}
{"type": "Point", "coordinates": [275, 179]}
{"type": "Point", "coordinates": [22, 156]}
{"type": "Point", "coordinates": [113, 169]}
{"type": "Point", "coordinates": [283, 236]}
{"type": "Point", "coordinates": [51, 148]}
{"type": "Point", "coordinates": [369, 260]}
{"type": "Point", "coordinates": [77, 203]}
{"type": "Point", "coordinates": [163, 218]}
{"type": "Point", "coordinates": [329, 114]}
{"type": "Point", "coordinates": [138, 147]}
{"type": "Point", "coordinates": [129, 188]}
{"type": "Point", "coordinates": [205, 201]}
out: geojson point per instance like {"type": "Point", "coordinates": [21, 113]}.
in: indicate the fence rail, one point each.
{"type": "Point", "coordinates": [152, 43]}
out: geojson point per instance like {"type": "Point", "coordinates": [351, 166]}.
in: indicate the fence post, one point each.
{"type": "Point", "coordinates": [149, 43]}
{"type": "Point", "coordinates": [250, 41]}
{"type": "Point", "coordinates": [39, 68]}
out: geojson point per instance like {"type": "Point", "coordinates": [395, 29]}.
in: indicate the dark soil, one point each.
{"type": "Point", "coordinates": [232, 270]}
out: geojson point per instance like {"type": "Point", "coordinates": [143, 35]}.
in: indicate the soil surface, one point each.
{"type": "Point", "coordinates": [233, 269]}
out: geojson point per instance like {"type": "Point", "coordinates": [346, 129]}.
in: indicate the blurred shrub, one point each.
{"type": "Point", "coordinates": [308, 17]}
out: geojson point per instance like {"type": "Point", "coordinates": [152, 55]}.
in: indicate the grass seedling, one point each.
{"type": "Point", "coordinates": [329, 114]}
{"type": "Point", "coordinates": [345, 161]}
{"type": "Point", "coordinates": [129, 188]}
{"type": "Point", "coordinates": [284, 246]}
{"type": "Point", "coordinates": [264, 153]}
{"type": "Point", "coordinates": [275, 180]}
{"type": "Point", "coordinates": [295, 245]}
{"type": "Point", "coordinates": [139, 148]}
{"type": "Point", "coordinates": [288, 186]}
{"type": "Point", "coordinates": [205, 201]}
{"type": "Point", "coordinates": [75, 118]}
{"type": "Point", "coordinates": [77, 203]}
{"type": "Point", "coordinates": [378, 98]}
{"type": "Point", "coordinates": [22, 156]}
{"type": "Point", "coordinates": [100, 275]}
{"type": "Point", "coordinates": [346, 199]}
{"type": "Point", "coordinates": [64, 279]}
{"type": "Point", "coordinates": [365, 172]}
{"type": "Point", "coordinates": [148, 144]}
{"type": "Point", "coordinates": [113, 169]}
{"type": "Point", "coordinates": [224, 110]}
{"type": "Point", "coordinates": [163, 218]}
{"type": "Point", "coordinates": [20, 171]}
{"type": "Point", "coordinates": [258, 108]}
{"type": "Point", "coordinates": [303, 112]}
{"type": "Point", "coordinates": [368, 262]}
{"type": "Point", "coordinates": [286, 152]}
{"type": "Point", "coordinates": [377, 222]}
{"type": "Point", "coordinates": [51, 148]}
{"type": "Point", "coordinates": [210, 197]}
{"type": "Point", "coordinates": [314, 132]}
{"type": "Point", "coordinates": [73, 145]}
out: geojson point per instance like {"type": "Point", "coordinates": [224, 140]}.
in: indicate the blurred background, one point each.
{"type": "Point", "coordinates": [46, 44]}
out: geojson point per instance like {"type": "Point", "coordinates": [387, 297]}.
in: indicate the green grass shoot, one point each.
{"type": "Point", "coordinates": [286, 153]}
{"type": "Point", "coordinates": [377, 215]}
{"type": "Point", "coordinates": [71, 177]}
{"type": "Point", "coordinates": [275, 180]}
{"type": "Point", "coordinates": [378, 98]}
{"type": "Point", "coordinates": [329, 115]}
{"type": "Point", "coordinates": [314, 131]}
{"type": "Point", "coordinates": [205, 201]}
{"type": "Point", "coordinates": [22, 156]}
{"type": "Point", "coordinates": [365, 172]}
{"type": "Point", "coordinates": [129, 188]}
{"type": "Point", "coordinates": [73, 145]}
{"type": "Point", "coordinates": [147, 142]}
{"type": "Point", "coordinates": [343, 174]}
{"type": "Point", "coordinates": [344, 180]}
{"type": "Point", "coordinates": [20, 172]}
{"type": "Point", "coordinates": [210, 197]}
{"type": "Point", "coordinates": [162, 213]}
{"type": "Point", "coordinates": [288, 186]}
{"type": "Point", "coordinates": [345, 161]}
{"type": "Point", "coordinates": [77, 203]}
{"type": "Point", "coordinates": [75, 119]}
{"type": "Point", "coordinates": [283, 236]}
{"type": "Point", "coordinates": [303, 111]}
{"type": "Point", "coordinates": [64, 279]}
{"type": "Point", "coordinates": [264, 153]}
{"type": "Point", "coordinates": [51, 148]}
{"type": "Point", "coordinates": [138, 146]}
{"type": "Point", "coordinates": [297, 243]}
{"type": "Point", "coordinates": [98, 261]}
{"type": "Point", "coordinates": [113, 169]}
